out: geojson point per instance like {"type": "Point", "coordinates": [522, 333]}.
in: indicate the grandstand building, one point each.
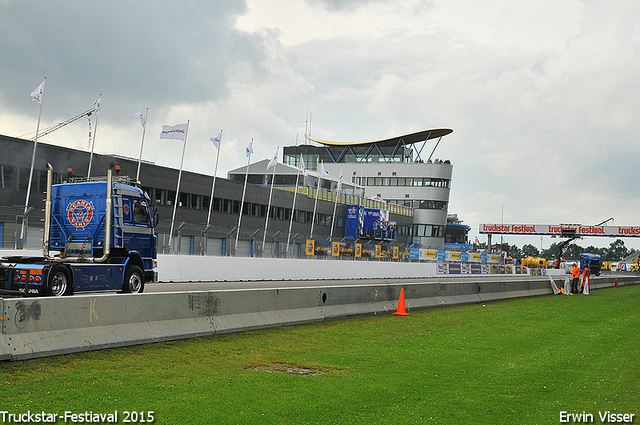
{"type": "Point", "coordinates": [402, 171]}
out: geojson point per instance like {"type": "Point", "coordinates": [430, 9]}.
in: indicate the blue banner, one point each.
{"type": "Point", "coordinates": [458, 246]}
{"type": "Point", "coordinates": [368, 223]}
{"type": "Point", "coordinates": [322, 248]}
{"type": "Point", "coordinates": [352, 223]}
{"type": "Point", "coordinates": [454, 268]}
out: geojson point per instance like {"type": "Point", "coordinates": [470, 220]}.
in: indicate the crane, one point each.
{"type": "Point", "coordinates": [572, 236]}
{"type": "Point", "coordinates": [51, 129]}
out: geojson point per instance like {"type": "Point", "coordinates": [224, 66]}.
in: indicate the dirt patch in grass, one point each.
{"type": "Point", "coordinates": [289, 369]}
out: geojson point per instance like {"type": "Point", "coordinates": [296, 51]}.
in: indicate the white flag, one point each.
{"type": "Point", "coordinates": [274, 160]}
{"type": "Point", "coordinates": [323, 173]}
{"type": "Point", "coordinates": [304, 170]}
{"type": "Point", "coordinates": [143, 117]}
{"type": "Point", "coordinates": [340, 180]}
{"type": "Point", "coordinates": [216, 140]}
{"type": "Point", "coordinates": [177, 132]}
{"type": "Point", "coordinates": [89, 145]}
{"type": "Point", "coordinates": [96, 104]}
{"type": "Point", "coordinates": [249, 149]}
{"type": "Point", "coordinates": [36, 95]}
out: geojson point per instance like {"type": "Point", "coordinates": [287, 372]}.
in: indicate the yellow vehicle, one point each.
{"type": "Point", "coordinates": [537, 262]}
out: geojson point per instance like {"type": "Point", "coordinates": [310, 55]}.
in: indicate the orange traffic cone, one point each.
{"type": "Point", "coordinates": [401, 311]}
{"type": "Point", "coordinates": [616, 282]}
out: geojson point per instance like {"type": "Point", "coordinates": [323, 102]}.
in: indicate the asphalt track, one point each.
{"type": "Point", "coordinates": [171, 287]}
{"type": "Point", "coordinates": [273, 284]}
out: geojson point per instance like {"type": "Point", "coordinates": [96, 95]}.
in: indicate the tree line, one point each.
{"type": "Point", "coordinates": [616, 251]}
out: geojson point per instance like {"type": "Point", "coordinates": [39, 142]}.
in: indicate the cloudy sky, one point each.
{"type": "Point", "coordinates": [543, 96]}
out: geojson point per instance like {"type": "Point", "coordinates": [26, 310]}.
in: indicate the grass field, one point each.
{"type": "Point", "coordinates": [521, 361]}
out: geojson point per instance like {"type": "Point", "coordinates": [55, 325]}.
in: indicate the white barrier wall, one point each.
{"type": "Point", "coordinates": [189, 268]}
{"type": "Point", "coordinates": [193, 268]}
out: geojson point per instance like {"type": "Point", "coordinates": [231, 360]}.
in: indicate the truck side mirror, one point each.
{"type": "Point", "coordinates": [154, 216]}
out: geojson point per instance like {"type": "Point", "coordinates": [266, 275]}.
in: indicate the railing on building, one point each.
{"type": "Point", "coordinates": [348, 199]}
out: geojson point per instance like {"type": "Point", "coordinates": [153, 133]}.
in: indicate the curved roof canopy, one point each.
{"type": "Point", "coordinates": [408, 139]}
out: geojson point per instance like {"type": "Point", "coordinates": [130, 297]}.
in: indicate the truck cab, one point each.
{"type": "Point", "coordinates": [99, 235]}
{"type": "Point", "coordinates": [593, 260]}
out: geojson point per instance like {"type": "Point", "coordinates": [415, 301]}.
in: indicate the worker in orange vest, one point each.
{"type": "Point", "coordinates": [575, 278]}
{"type": "Point", "coordinates": [585, 279]}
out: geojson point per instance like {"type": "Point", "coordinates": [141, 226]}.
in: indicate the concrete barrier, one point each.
{"type": "Point", "coordinates": [36, 327]}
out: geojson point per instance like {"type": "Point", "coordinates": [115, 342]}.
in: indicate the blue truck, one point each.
{"type": "Point", "coordinates": [99, 234]}
{"type": "Point", "coordinates": [593, 260]}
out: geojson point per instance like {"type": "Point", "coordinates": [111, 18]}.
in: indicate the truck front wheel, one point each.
{"type": "Point", "coordinates": [133, 280]}
{"type": "Point", "coordinates": [58, 281]}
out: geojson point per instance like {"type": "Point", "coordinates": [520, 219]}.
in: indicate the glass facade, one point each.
{"type": "Point", "coordinates": [401, 181]}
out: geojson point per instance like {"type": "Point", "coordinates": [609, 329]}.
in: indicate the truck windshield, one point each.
{"type": "Point", "coordinates": [140, 212]}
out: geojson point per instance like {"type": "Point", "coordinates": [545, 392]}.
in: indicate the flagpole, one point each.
{"type": "Point", "coordinates": [175, 201]}
{"type": "Point", "coordinates": [144, 129]}
{"type": "Point", "coordinates": [33, 160]}
{"type": "Point", "coordinates": [293, 209]}
{"type": "Point", "coordinates": [244, 189]}
{"type": "Point", "coordinates": [315, 204]}
{"type": "Point", "coordinates": [335, 204]}
{"type": "Point", "coordinates": [215, 172]}
{"type": "Point", "coordinates": [95, 133]}
{"type": "Point", "coordinates": [361, 195]}
{"type": "Point", "coordinates": [266, 223]}
{"type": "Point", "coordinates": [333, 218]}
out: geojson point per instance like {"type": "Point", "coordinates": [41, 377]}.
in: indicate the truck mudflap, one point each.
{"type": "Point", "coordinates": [10, 293]}
{"type": "Point", "coordinates": [22, 279]}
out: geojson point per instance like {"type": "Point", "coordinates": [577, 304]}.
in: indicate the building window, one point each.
{"type": "Point", "coordinates": [171, 197]}
{"type": "Point", "coordinates": [8, 176]}
{"type": "Point", "coordinates": [184, 200]}
{"type": "Point", "coordinates": [196, 201]}
{"type": "Point", "coordinates": [23, 180]}
{"type": "Point", "coordinates": [43, 183]}
{"type": "Point", "coordinates": [432, 205]}
{"type": "Point", "coordinates": [428, 230]}
{"type": "Point", "coordinates": [217, 205]}
{"type": "Point", "coordinates": [161, 197]}
{"type": "Point", "coordinates": [228, 206]}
